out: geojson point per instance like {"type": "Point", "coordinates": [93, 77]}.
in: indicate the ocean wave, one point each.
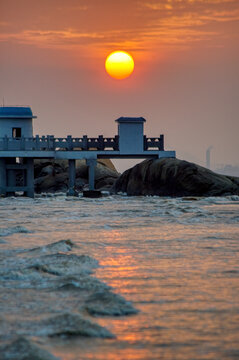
{"type": "Point", "coordinates": [13, 230]}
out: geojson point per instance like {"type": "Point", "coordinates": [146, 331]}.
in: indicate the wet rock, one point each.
{"type": "Point", "coordinates": [70, 324]}
{"type": "Point", "coordinates": [105, 184]}
{"type": "Point", "coordinates": [52, 175]}
{"type": "Point", "coordinates": [107, 303]}
{"type": "Point", "coordinates": [81, 282]}
{"type": "Point", "coordinates": [61, 245]}
{"type": "Point", "coordinates": [47, 271]}
{"type": "Point", "coordinates": [23, 349]}
{"type": "Point", "coordinates": [173, 177]}
{"type": "Point", "coordinates": [52, 183]}
{"type": "Point", "coordinates": [47, 170]}
{"type": "Point", "coordinates": [63, 264]}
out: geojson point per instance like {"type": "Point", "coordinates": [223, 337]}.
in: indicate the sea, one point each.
{"type": "Point", "coordinates": [121, 278]}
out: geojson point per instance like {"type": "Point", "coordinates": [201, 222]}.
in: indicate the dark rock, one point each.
{"type": "Point", "coordinates": [23, 349]}
{"type": "Point", "coordinates": [47, 170]}
{"type": "Point", "coordinates": [106, 303]}
{"type": "Point", "coordinates": [173, 177]}
{"type": "Point", "coordinates": [52, 183]}
{"type": "Point", "coordinates": [105, 184]}
{"type": "Point", "coordinates": [73, 325]}
{"type": "Point", "coordinates": [59, 246]}
{"type": "Point", "coordinates": [52, 175]}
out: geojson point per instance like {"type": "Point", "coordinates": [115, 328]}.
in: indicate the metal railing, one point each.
{"type": "Point", "coordinates": [50, 143]}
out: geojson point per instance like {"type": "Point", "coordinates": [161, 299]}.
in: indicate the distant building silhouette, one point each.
{"type": "Point", "coordinates": [228, 170]}
{"type": "Point", "coordinates": [208, 157]}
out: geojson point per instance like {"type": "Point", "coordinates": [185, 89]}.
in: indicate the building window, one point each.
{"type": "Point", "coordinates": [16, 132]}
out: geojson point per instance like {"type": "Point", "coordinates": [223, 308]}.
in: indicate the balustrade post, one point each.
{"type": "Point", "coordinates": [116, 143]}
{"type": "Point", "coordinates": [101, 143]}
{"type": "Point", "coordinates": [37, 142]}
{"type": "Point", "coordinates": [53, 142]}
{"type": "Point", "coordinates": [161, 142]}
{"type": "Point", "coordinates": [43, 140]}
{"type": "Point", "coordinates": [85, 142]}
{"type": "Point", "coordinates": [69, 142]}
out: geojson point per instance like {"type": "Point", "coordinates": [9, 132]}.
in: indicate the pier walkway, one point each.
{"type": "Point", "coordinates": [17, 153]}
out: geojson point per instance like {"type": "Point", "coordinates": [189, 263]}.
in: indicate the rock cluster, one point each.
{"type": "Point", "coordinates": [24, 349]}
{"type": "Point", "coordinates": [52, 175]}
{"type": "Point", "coordinates": [68, 296]}
{"type": "Point", "coordinates": [174, 177]}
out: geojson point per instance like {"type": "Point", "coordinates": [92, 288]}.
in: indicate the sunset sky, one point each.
{"type": "Point", "coordinates": [185, 83]}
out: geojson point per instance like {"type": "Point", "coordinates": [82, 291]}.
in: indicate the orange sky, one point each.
{"type": "Point", "coordinates": [186, 79]}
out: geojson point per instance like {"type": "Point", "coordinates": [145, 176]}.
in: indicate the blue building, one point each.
{"type": "Point", "coordinates": [16, 121]}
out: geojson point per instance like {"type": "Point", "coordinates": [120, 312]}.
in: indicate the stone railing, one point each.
{"type": "Point", "coordinates": [151, 143]}
{"type": "Point", "coordinates": [50, 143]}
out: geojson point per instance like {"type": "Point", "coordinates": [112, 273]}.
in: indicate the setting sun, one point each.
{"type": "Point", "coordinates": [119, 65]}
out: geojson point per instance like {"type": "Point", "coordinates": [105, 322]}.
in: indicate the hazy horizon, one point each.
{"type": "Point", "coordinates": [185, 83]}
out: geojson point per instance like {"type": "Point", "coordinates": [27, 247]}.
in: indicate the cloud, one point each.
{"type": "Point", "coordinates": [159, 6]}
{"type": "Point", "coordinates": [171, 23]}
{"type": "Point", "coordinates": [50, 38]}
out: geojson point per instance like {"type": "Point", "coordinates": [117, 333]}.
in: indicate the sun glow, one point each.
{"type": "Point", "coordinates": [119, 65]}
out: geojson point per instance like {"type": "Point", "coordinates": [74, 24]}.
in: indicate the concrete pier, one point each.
{"type": "Point", "coordinates": [72, 178]}
{"type": "Point", "coordinates": [3, 177]}
{"type": "Point", "coordinates": [11, 177]}
{"type": "Point", "coordinates": [17, 142]}
{"type": "Point", "coordinates": [91, 163]}
{"type": "Point", "coordinates": [30, 177]}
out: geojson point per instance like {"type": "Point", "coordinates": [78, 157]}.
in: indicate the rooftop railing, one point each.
{"type": "Point", "coordinates": [50, 143]}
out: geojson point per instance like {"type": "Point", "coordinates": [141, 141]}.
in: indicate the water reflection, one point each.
{"type": "Point", "coordinates": [180, 271]}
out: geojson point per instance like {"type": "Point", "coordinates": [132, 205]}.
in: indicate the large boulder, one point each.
{"type": "Point", "coordinates": [174, 177]}
{"type": "Point", "coordinates": [52, 175]}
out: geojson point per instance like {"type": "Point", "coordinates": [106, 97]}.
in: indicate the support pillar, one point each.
{"type": "Point", "coordinates": [91, 163]}
{"type": "Point", "coordinates": [11, 176]}
{"type": "Point", "coordinates": [72, 178]}
{"type": "Point", "coordinates": [3, 177]}
{"type": "Point", "coordinates": [30, 177]}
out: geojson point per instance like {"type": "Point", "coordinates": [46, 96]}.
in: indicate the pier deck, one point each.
{"type": "Point", "coordinates": [17, 152]}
